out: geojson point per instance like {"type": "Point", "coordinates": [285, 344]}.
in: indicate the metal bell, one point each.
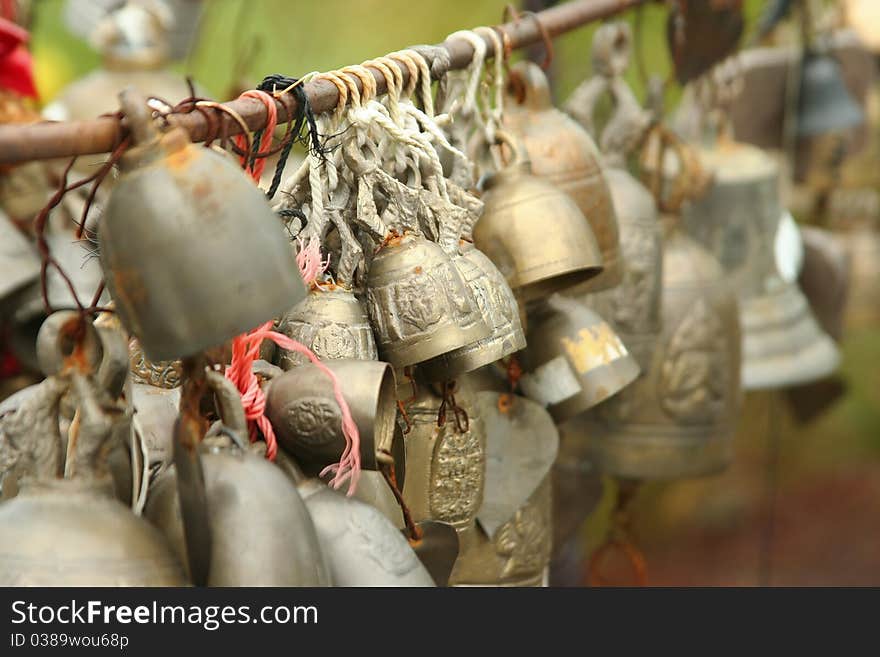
{"type": "Point", "coordinates": [252, 506]}
{"type": "Point", "coordinates": [446, 465]}
{"type": "Point", "coordinates": [500, 310]}
{"type": "Point", "coordinates": [307, 420]}
{"type": "Point", "coordinates": [564, 154]}
{"type": "Point", "coordinates": [332, 323]}
{"type": "Point", "coordinates": [225, 263]}
{"type": "Point", "coordinates": [677, 419]}
{"type": "Point", "coordinates": [574, 360]}
{"type": "Point", "coordinates": [361, 546]}
{"type": "Point", "coordinates": [419, 304]}
{"type": "Point", "coordinates": [535, 234]}
{"type": "Point", "coordinates": [825, 105]}
{"type": "Point", "coordinates": [19, 262]}
{"type": "Point", "coordinates": [738, 219]}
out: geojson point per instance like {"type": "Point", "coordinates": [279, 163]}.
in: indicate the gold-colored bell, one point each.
{"type": "Point", "coordinates": [534, 233]}
{"type": "Point", "coordinates": [330, 321]}
{"type": "Point", "coordinates": [574, 358]}
{"type": "Point", "coordinates": [562, 153]}
{"type": "Point", "coordinates": [738, 219]}
{"type": "Point", "coordinates": [419, 303]}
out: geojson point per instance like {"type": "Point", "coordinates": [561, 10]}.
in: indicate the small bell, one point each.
{"type": "Point", "coordinates": [225, 262]}
{"type": "Point", "coordinates": [419, 304]}
{"type": "Point", "coordinates": [332, 323]}
{"type": "Point", "coordinates": [825, 105]}
{"type": "Point", "coordinates": [308, 422]}
{"type": "Point", "coordinates": [563, 154]}
{"type": "Point", "coordinates": [575, 360]}
{"type": "Point", "coordinates": [534, 233]}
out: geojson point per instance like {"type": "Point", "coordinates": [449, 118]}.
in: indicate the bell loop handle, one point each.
{"type": "Point", "coordinates": [229, 407]}
{"type": "Point", "coordinates": [528, 85]}
{"type": "Point", "coordinates": [138, 116]}
{"type": "Point", "coordinates": [612, 48]}
{"type": "Point", "coordinates": [671, 182]}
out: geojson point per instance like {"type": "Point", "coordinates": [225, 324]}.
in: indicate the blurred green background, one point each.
{"type": "Point", "coordinates": [822, 501]}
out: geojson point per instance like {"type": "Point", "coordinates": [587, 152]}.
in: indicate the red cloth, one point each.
{"type": "Point", "coordinates": [16, 66]}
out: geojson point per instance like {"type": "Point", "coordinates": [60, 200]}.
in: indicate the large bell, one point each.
{"type": "Point", "coordinates": [562, 153]}
{"type": "Point", "coordinates": [574, 358]}
{"type": "Point", "coordinates": [738, 219]}
{"type": "Point", "coordinates": [535, 234]}
{"type": "Point", "coordinates": [824, 102]}
{"type": "Point", "coordinates": [678, 418]}
{"type": "Point", "coordinates": [192, 253]}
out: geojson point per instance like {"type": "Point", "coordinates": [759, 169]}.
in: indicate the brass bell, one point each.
{"type": "Point", "coordinates": [499, 309]}
{"type": "Point", "coordinates": [575, 359]}
{"type": "Point", "coordinates": [563, 154]}
{"type": "Point", "coordinates": [225, 261]}
{"type": "Point", "coordinates": [738, 219]}
{"type": "Point", "coordinates": [419, 304]}
{"type": "Point", "coordinates": [678, 418]}
{"type": "Point", "coordinates": [534, 233]}
{"type": "Point", "coordinates": [825, 105]}
{"type": "Point", "coordinates": [252, 507]}
{"type": "Point", "coordinates": [332, 323]}
{"type": "Point", "coordinates": [308, 422]}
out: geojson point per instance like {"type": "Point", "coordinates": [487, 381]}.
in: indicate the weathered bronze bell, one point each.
{"type": "Point", "coordinates": [562, 153]}
{"type": "Point", "coordinates": [500, 310]}
{"type": "Point", "coordinates": [824, 102]}
{"type": "Point", "coordinates": [737, 219]}
{"type": "Point", "coordinates": [678, 418]}
{"type": "Point", "coordinates": [574, 360]}
{"type": "Point", "coordinates": [419, 303]}
{"type": "Point", "coordinates": [308, 422]}
{"type": "Point", "coordinates": [261, 532]}
{"type": "Point", "coordinates": [361, 546]}
{"type": "Point", "coordinates": [218, 238]}
{"type": "Point", "coordinates": [332, 323]}
{"type": "Point", "coordinates": [535, 234]}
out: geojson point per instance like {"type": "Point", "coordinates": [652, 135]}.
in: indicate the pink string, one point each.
{"type": "Point", "coordinates": [245, 350]}
{"type": "Point", "coordinates": [309, 260]}
{"type": "Point", "coordinates": [259, 164]}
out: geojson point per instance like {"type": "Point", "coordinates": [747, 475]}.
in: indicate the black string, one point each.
{"type": "Point", "coordinates": [304, 117]}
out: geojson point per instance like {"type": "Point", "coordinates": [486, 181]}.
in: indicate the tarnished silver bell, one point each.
{"type": "Point", "coordinates": [206, 219]}
{"type": "Point", "coordinates": [500, 311]}
{"type": "Point", "coordinates": [332, 323]}
{"type": "Point", "coordinates": [738, 219]}
{"type": "Point", "coordinates": [361, 546]}
{"type": "Point", "coordinates": [418, 302]}
{"type": "Point", "coordinates": [574, 360]}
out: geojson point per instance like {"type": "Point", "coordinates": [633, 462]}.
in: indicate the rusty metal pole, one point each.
{"type": "Point", "coordinates": [42, 141]}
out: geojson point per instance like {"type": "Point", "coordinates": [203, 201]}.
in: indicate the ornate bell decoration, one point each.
{"type": "Point", "coordinates": [207, 219]}
{"type": "Point", "coordinates": [824, 102]}
{"type": "Point", "coordinates": [419, 304]}
{"type": "Point", "coordinates": [534, 233]}
{"type": "Point", "coordinates": [361, 546]}
{"type": "Point", "coordinates": [563, 154]}
{"type": "Point", "coordinates": [307, 420]}
{"type": "Point", "coordinates": [574, 360]}
{"type": "Point", "coordinates": [72, 531]}
{"type": "Point", "coordinates": [498, 306]}
{"type": "Point", "coordinates": [332, 323]}
{"type": "Point", "coordinates": [251, 504]}
{"type": "Point", "coordinates": [738, 219]}
{"type": "Point", "coordinates": [678, 418]}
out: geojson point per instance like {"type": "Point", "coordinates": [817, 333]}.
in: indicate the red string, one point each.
{"type": "Point", "coordinates": [245, 350]}
{"type": "Point", "coordinates": [256, 168]}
